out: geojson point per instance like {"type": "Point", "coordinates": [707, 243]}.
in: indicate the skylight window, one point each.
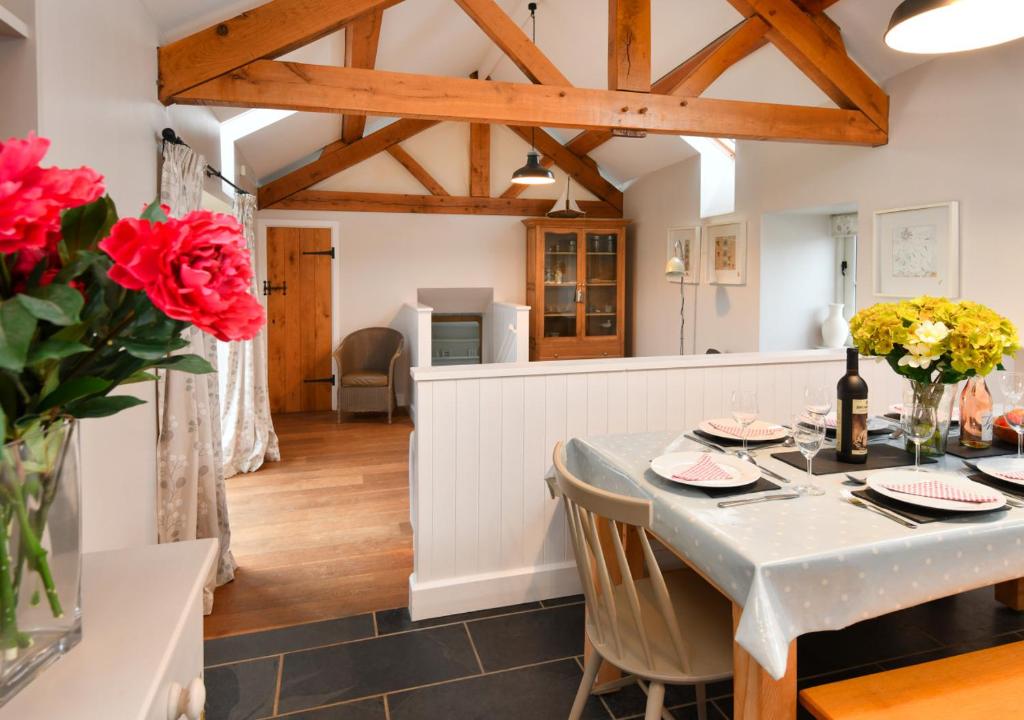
{"type": "Point", "coordinates": [717, 174]}
{"type": "Point", "coordinates": [236, 128]}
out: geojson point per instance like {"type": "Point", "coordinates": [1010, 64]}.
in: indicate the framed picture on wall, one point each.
{"type": "Point", "coordinates": [917, 251]}
{"type": "Point", "coordinates": [727, 254]}
{"type": "Point", "coordinates": [684, 242]}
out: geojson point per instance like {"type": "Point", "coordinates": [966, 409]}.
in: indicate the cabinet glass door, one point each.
{"type": "Point", "coordinates": [602, 284]}
{"type": "Point", "coordinates": [560, 284]}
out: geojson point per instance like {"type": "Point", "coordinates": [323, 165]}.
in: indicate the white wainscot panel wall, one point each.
{"type": "Point", "coordinates": [486, 531]}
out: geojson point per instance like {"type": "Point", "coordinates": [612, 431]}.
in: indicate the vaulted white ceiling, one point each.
{"type": "Point", "coordinates": [436, 37]}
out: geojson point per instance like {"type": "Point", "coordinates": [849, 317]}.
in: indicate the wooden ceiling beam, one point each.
{"type": "Point", "coordinates": [479, 160]}
{"type": "Point", "coordinates": [362, 36]}
{"type": "Point", "coordinates": [629, 45]}
{"type": "Point", "coordinates": [341, 157]}
{"type": "Point", "coordinates": [314, 200]}
{"type": "Point", "coordinates": [824, 60]}
{"type": "Point", "coordinates": [417, 171]}
{"type": "Point", "coordinates": [515, 43]}
{"type": "Point", "coordinates": [267, 31]}
{"type": "Point", "coordinates": [583, 173]}
{"type": "Point", "coordinates": [321, 88]}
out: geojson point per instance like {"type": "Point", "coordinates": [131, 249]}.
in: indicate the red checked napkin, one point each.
{"type": "Point", "coordinates": [703, 470]}
{"type": "Point", "coordinates": [736, 430]}
{"type": "Point", "coordinates": [940, 490]}
{"type": "Point", "coordinates": [1013, 475]}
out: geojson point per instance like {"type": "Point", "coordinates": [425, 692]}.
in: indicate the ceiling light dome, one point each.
{"type": "Point", "coordinates": [946, 26]}
{"type": "Point", "coordinates": [533, 173]}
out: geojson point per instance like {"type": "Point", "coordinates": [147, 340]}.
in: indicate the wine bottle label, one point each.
{"type": "Point", "coordinates": [859, 421]}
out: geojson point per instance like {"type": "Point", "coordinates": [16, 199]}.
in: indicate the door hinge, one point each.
{"type": "Point", "coordinates": [320, 380]}
{"type": "Point", "coordinates": [268, 288]}
{"type": "Point", "coordinates": [320, 252]}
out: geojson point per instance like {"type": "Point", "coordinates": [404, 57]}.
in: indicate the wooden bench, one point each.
{"type": "Point", "coordinates": [984, 684]}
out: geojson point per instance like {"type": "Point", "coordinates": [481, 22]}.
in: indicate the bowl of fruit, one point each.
{"type": "Point", "coordinates": [1002, 430]}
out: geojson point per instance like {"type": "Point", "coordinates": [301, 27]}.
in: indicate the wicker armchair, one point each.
{"type": "Point", "coordinates": [366, 365]}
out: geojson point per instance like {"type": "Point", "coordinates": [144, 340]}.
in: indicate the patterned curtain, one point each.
{"type": "Point", "coordinates": [248, 432]}
{"type": "Point", "coordinates": [191, 503]}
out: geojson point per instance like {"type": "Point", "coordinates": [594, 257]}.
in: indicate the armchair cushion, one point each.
{"type": "Point", "coordinates": [364, 378]}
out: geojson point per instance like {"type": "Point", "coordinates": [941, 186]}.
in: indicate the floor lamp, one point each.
{"type": "Point", "coordinates": [676, 268]}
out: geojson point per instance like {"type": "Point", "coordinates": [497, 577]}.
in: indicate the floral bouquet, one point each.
{"type": "Point", "coordinates": [88, 303]}
{"type": "Point", "coordinates": [935, 343]}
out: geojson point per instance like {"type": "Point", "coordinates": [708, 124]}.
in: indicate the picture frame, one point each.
{"type": "Point", "coordinates": [917, 251]}
{"type": "Point", "coordinates": [688, 238]}
{"type": "Point", "coordinates": [726, 256]}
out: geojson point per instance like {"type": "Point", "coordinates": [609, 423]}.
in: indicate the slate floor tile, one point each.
{"type": "Point", "coordinates": [374, 666]}
{"type": "Point", "coordinates": [866, 642]}
{"type": "Point", "coordinates": [951, 650]}
{"type": "Point", "coordinates": [540, 692]}
{"type": "Point", "coordinates": [295, 637]}
{"type": "Point", "coordinates": [567, 600]}
{"type": "Point", "coordinates": [372, 709]}
{"type": "Point", "coordinates": [533, 637]}
{"type": "Point", "coordinates": [965, 617]}
{"type": "Point", "coordinates": [242, 691]}
{"type": "Point", "coordinates": [398, 619]}
{"type": "Point", "coordinates": [631, 700]}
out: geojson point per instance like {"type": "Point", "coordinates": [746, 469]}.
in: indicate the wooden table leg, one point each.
{"type": "Point", "coordinates": [1011, 593]}
{"type": "Point", "coordinates": [756, 695]}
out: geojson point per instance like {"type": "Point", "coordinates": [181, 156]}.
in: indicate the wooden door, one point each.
{"type": "Point", "coordinates": [300, 367]}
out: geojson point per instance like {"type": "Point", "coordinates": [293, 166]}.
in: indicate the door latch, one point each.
{"type": "Point", "coordinates": [320, 380]}
{"type": "Point", "coordinates": [320, 252]}
{"type": "Point", "coordinates": [268, 288]}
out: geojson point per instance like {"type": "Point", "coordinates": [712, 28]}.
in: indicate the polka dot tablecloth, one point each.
{"type": "Point", "coordinates": [804, 565]}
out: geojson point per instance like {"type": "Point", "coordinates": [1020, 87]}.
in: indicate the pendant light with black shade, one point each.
{"type": "Point", "coordinates": [947, 26]}
{"type": "Point", "coordinates": [533, 173]}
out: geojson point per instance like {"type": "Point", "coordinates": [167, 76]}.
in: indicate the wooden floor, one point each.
{"type": "Point", "coordinates": [325, 532]}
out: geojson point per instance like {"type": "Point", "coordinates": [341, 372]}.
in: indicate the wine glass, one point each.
{"type": "Point", "coordinates": [919, 422]}
{"type": "Point", "coordinates": [809, 435]}
{"type": "Point", "coordinates": [818, 400]}
{"type": "Point", "coordinates": [744, 411]}
{"type": "Point", "coordinates": [1012, 385]}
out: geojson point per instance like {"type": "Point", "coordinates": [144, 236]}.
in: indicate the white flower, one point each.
{"type": "Point", "coordinates": [930, 333]}
{"type": "Point", "coordinates": [919, 355]}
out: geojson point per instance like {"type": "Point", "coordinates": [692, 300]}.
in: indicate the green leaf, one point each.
{"type": "Point", "coordinates": [186, 363]}
{"type": "Point", "coordinates": [154, 213]}
{"type": "Point", "coordinates": [102, 406]}
{"type": "Point", "coordinates": [55, 349]}
{"type": "Point", "coordinates": [84, 226]}
{"type": "Point", "coordinates": [72, 269]}
{"type": "Point", "coordinates": [138, 377]}
{"type": "Point", "coordinates": [56, 304]}
{"type": "Point", "coordinates": [3, 425]}
{"type": "Point", "coordinates": [146, 349]}
{"type": "Point", "coordinates": [72, 390]}
{"type": "Point", "coordinates": [17, 325]}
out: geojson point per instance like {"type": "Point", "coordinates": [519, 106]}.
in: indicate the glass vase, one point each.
{"type": "Point", "coordinates": [976, 414]}
{"type": "Point", "coordinates": [941, 397]}
{"type": "Point", "coordinates": [40, 557]}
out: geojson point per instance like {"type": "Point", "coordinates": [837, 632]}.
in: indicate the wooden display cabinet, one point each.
{"type": "Point", "coordinates": [576, 288]}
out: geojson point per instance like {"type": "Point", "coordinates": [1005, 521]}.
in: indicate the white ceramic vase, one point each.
{"type": "Point", "coordinates": [835, 329]}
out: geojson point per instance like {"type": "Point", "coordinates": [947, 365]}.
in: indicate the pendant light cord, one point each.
{"type": "Point", "coordinates": [533, 18]}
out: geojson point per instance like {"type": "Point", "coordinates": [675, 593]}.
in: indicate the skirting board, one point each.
{"type": "Point", "coordinates": [491, 590]}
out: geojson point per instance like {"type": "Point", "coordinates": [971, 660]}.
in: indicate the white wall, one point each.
{"type": "Point", "coordinates": [18, 111]}
{"type": "Point", "coordinates": [798, 261]}
{"type": "Point", "coordinates": [955, 135]}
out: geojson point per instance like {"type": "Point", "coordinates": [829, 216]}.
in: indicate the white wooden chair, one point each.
{"type": "Point", "coordinates": [670, 627]}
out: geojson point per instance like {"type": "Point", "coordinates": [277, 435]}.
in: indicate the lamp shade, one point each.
{"type": "Point", "coordinates": [533, 173]}
{"type": "Point", "coordinates": [946, 26]}
{"type": "Point", "coordinates": [674, 268]}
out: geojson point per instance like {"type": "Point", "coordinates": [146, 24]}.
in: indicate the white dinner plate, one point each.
{"type": "Point", "coordinates": [897, 477]}
{"type": "Point", "coordinates": [875, 424]}
{"type": "Point", "coordinates": [780, 433]}
{"type": "Point", "coordinates": [741, 472]}
{"type": "Point", "coordinates": [996, 466]}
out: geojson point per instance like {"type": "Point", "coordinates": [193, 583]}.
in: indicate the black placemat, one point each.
{"type": "Point", "coordinates": [826, 462]}
{"type": "Point", "coordinates": [762, 485]}
{"type": "Point", "coordinates": [998, 448]}
{"type": "Point", "coordinates": [731, 442]}
{"type": "Point", "coordinates": [1009, 488]}
{"type": "Point", "coordinates": [916, 512]}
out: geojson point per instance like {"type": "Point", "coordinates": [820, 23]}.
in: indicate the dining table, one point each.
{"type": "Point", "coordinates": [807, 564]}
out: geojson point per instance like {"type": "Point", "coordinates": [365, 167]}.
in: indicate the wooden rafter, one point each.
{"type": "Point", "coordinates": [362, 36]}
{"type": "Point", "coordinates": [479, 160]}
{"type": "Point", "coordinates": [583, 173]}
{"type": "Point", "coordinates": [433, 204]}
{"type": "Point", "coordinates": [824, 60]}
{"type": "Point", "coordinates": [508, 36]}
{"type": "Point", "coordinates": [321, 88]}
{"type": "Point", "coordinates": [339, 158]}
{"type": "Point", "coordinates": [629, 45]}
{"type": "Point", "coordinates": [267, 31]}
{"type": "Point", "coordinates": [417, 171]}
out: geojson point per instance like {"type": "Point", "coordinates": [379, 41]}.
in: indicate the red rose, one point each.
{"type": "Point", "coordinates": [195, 269]}
{"type": "Point", "coordinates": [31, 197]}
